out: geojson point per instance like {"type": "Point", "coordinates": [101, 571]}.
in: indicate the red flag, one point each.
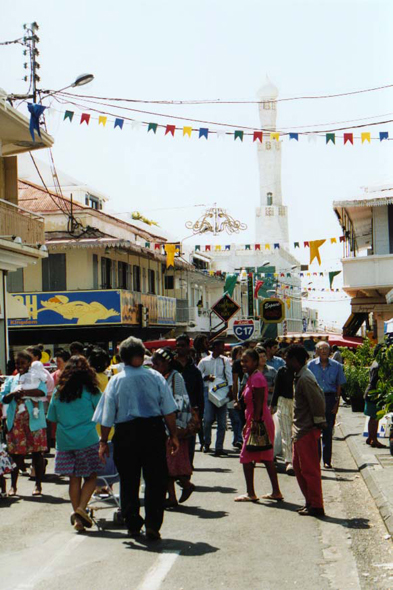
{"type": "Point", "coordinates": [306, 244]}
{"type": "Point", "coordinates": [207, 248]}
{"type": "Point", "coordinates": [170, 129]}
{"type": "Point", "coordinates": [342, 238]}
{"type": "Point", "coordinates": [157, 246]}
{"type": "Point", "coordinates": [85, 118]}
{"type": "Point", "coordinates": [258, 135]}
{"type": "Point", "coordinates": [348, 137]}
{"type": "Point", "coordinates": [258, 285]}
{"type": "Point", "coordinates": [257, 246]}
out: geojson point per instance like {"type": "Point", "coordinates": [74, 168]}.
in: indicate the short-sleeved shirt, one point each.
{"type": "Point", "coordinates": [220, 367]}
{"type": "Point", "coordinates": [276, 362]}
{"type": "Point", "coordinates": [75, 429]}
{"type": "Point", "coordinates": [330, 377]}
{"type": "Point", "coordinates": [136, 392]}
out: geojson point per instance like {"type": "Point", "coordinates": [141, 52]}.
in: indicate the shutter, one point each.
{"type": "Point", "coordinates": [95, 271]}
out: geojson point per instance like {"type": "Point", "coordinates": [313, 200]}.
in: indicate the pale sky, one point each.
{"type": "Point", "coordinates": [210, 49]}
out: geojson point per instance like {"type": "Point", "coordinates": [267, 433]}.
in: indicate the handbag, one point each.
{"type": "Point", "coordinates": [193, 425]}
{"type": "Point", "coordinates": [259, 438]}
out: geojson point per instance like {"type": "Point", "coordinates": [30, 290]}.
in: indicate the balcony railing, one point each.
{"type": "Point", "coordinates": [16, 221]}
{"type": "Point", "coordinates": [369, 272]}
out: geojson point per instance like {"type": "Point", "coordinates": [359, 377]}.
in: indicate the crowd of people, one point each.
{"type": "Point", "coordinates": [147, 411]}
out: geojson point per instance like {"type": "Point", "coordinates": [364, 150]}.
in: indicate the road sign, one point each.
{"type": "Point", "coordinates": [225, 308]}
{"type": "Point", "coordinates": [272, 311]}
{"type": "Point", "coordinates": [244, 329]}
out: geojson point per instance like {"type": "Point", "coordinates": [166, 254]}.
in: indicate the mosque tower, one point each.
{"type": "Point", "coordinates": [271, 224]}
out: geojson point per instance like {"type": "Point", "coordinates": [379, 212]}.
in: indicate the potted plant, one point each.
{"type": "Point", "coordinates": [356, 370]}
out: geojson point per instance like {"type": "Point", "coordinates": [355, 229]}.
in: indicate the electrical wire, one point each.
{"type": "Point", "coordinates": [218, 101]}
{"type": "Point", "coordinates": [282, 131]}
{"type": "Point", "coordinates": [20, 41]}
{"type": "Point", "coordinates": [65, 212]}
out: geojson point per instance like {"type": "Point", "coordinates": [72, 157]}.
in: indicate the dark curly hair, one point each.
{"type": "Point", "coordinates": [77, 375]}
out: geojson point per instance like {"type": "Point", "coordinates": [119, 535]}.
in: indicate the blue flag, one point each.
{"type": "Point", "coordinates": [35, 111]}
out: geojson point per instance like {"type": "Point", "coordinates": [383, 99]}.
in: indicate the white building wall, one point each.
{"type": "Point", "coordinates": [381, 230]}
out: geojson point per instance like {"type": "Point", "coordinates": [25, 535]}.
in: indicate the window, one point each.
{"type": "Point", "coordinates": [144, 290]}
{"type": "Point", "coordinates": [15, 281]}
{"type": "Point", "coordinates": [151, 281]}
{"type": "Point", "coordinates": [269, 211]}
{"type": "Point", "coordinates": [123, 276]}
{"type": "Point", "coordinates": [269, 198]}
{"type": "Point", "coordinates": [158, 284]}
{"type": "Point", "coordinates": [169, 282]}
{"type": "Point", "coordinates": [106, 273]}
{"type": "Point", "coordinates": [54, 273]}
{"type": "Point", "coordinates": [282, 211]}
{"type": "Point", "coordinates": [136, 273]}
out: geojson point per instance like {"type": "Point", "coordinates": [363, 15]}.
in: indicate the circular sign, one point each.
{"type": "Point", "coordinates": [243, 329]}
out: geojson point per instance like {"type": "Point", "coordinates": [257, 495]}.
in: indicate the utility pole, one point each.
{"type": "Point", "coordinates": [29, 41]}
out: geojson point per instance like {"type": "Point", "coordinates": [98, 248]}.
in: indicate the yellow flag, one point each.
{"type": "Point", "coordinates": [288, 302]}
{"type": "Point", "coordinates": [187, 131]}
{"type": "Point", "coordinates": [275, 136]}
{"type": "Point", "coordinates": [366, 136]}
{"type": "Point", "coordinates": [314, 250]}
{"type": "Point", "coordinates": [102, 119]}
{"type": "Point", "coordinates": [170, 254]}
{"type": "Point", "coordinates": [217, 248]}
{"type": "Point", "coordinates": [333, 240]}
{"type": "Point", "coordinates": [211, 273]}
{"type": "Point", "coordinates": [267, 246]}
{"type": "Point", "coordinates": [276, 274]}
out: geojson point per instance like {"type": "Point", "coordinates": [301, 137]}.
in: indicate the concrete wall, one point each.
{"type": "Point", "coordinates": [381, 230]}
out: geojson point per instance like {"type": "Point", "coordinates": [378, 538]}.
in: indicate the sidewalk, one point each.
{"type": "Point", "coordinates": [375, 465]}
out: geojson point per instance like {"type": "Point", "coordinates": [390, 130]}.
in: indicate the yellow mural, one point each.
{"type": "Point", "coordinates": [85, 313]}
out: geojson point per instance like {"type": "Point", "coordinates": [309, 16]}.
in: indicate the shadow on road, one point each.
{"type": "Point", "coordinates": [218, 489]}
{"type": "Point", "coordinates": [213, 469]}
{"type": "Point", "coordinates": [200, 512]}
{"type": "Point", "coordinates": [45, 499]}
{"type": "Point", "coordinates": [186, 548]}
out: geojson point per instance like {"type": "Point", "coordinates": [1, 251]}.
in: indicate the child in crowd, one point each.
{"type": "Point", "coordinates": [32, 380]}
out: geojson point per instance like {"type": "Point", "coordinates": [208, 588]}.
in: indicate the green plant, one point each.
{"type": "Point", "coordinates": [383, 393]}
{"type": "Point", "coordinates": [356, 369]}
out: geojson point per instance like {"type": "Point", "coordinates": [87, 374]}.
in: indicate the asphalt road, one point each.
{"type": "Point", "coordinates": [208, 543]}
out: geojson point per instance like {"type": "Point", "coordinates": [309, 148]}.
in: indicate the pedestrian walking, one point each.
{"type": "Point", "coordinates": [268, 371]}
{"type": "Point", "coordinates": [137, 401]}
{"type": "Point", "coordinates": [72, 407]}
{"type": "Point", "coordinates": [271, 347]}
{"type": "Point", "coordinates": [255, 397]}
{"type": "Point", "coordinates": [179, 465]}
{"type": "Point", "coordinates": [330, 377]}
{"type": "Point", "coordinates": [26, 423]}
{"type": "Point", "coordinates": [282, 403]}
{"type": "Point", "coordinates": [214, 367]}
{"type": "Point", "coordinates": [308, 420]}
{"type": "Point", "coordinates": [194, 385]}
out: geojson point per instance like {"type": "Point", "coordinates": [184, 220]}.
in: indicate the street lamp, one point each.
{"type": "Point", "coordinates": [80, 80]}
{"type": "Point", "coordinates": [267, 263]}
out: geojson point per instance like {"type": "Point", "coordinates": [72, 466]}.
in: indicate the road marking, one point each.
{"type": "Point", "coordinates": [43, 572]}
{"type": "Point", "coordinates": [157, 574]}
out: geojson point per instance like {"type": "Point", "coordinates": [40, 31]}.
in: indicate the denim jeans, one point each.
{"type": "Point", "coordinates": [327, 434]}
{"type": "Point", "coordinates": [237, 422]}
{"type": "Point", "coordinates": [211, 414]}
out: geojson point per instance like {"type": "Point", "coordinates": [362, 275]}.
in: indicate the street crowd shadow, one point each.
{"type": "Point", "coordinates": [45, 499]}
{"type": "Point", "coordinates": [351, 523]}
{"type": "Point", "coordinates": [218, 489]}
{"type": "Point", "coordinates": [212, 469]}
{"type": "Point", "coordinates": [284, 505]}
{"type": "Point", "coordinates": [55, 479]}
{"type": "Point", "coordinates": [342, 470]}
{"type": "Point", "coordinates": [200, 512]}
{"type": "Point", "coordinates": [185, 548]}
{"type": "Point", "coordinates": [339, 478]}
{"type": "Point", "coordinates": [342, 438]}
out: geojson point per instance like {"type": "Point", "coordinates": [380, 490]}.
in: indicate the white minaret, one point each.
{"type": "Point", "coordinates": [271, 224]}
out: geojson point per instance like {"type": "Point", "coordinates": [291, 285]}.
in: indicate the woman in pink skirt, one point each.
{"type": "Point", "coordinates": [255, 397]}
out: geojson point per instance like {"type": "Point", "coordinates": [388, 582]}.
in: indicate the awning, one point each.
{"type": "Point", "coordinates": [353, 323]}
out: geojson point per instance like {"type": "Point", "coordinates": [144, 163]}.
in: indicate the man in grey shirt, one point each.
{"type": "Point", "coordinates": [308, 420]}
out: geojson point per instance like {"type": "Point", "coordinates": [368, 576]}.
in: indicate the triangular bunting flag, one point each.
{"type": "Point", "coordinates": [227, 247]}
{"type": "Point", "coordinates": [348, 137]}
{"type": "Point", "coordinates": [221, 134]}
{"type": "Point", "coordinates": [296, 245]}
{"type": "Point", "coordinates": [257, 246]}
{"type": "Point", "coordinates": [136, 125]}
{"type": "Point", "coordinates": [68, 115]}
{"type": "Point", "coordinates": [119, 123]}
{"type": "Point", "coordinates": [85, 118]}
{"type": "Point", "coordinates": [102, 120]}
{"type": "Point", "coordinates": [312, 137]}
{"type": "Point", "coordinates": [248, 247]}
{"type": "Point", "coordinates": [217, 248]}
{"type": "Point", "coordinates": [383, 135]}
{"type": "Point", "coordinates": [267, 246]}
{"type": "Point", "coordinates": [333, 274]}
{"type": "Point", "coordinates": [306, 244]}
{"type": "Point", "coordinates": [314, 250]}
{"type": "Point", "coordinates": [331, 137]}
{"type": "Point", "coordinates": [342, 239]}
{"type": "Point", "coordinates": [257, 135]}
{"type": "Point", "coordinates": [274, 136]}
{"type": "Point", "coordinates": [152, 127]}
{"type": "Point", "coordinates": [207, 248]}
{"type": "Point", "coordinates": [187, 131]}
{"type": "Point", "coordinates": [238, 134]}
{"type": "Point", "coordinates": [203, 132]}
{"type": "Point", "coordinates": [276, 246]}
{"type": "Point", "coordinates": [333, 240]}
{"type": "Point", "coordinates": [157, 246]}
{"type": "Point", "coordinates": [366, 136]}
{"type": "Point", "coordinates": [170, 254]}
{"type": "Point", "coordinates": [197, 248]}
{"type": "Point", "coordinates": [170, 129]}
{"type": "Point", "coordinates": [294, 136]}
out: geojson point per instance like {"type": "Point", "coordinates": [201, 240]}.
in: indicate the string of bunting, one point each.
{"type": "Point", "coordinates": [257, 136]}
{"type": "Point", "coordinates": [264, 246]}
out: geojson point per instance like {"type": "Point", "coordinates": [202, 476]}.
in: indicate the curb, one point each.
{"type": "Point", "coordinates": [365, 463]}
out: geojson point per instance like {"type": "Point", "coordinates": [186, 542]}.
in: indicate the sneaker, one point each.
{"type": "Point", "coordinates": [206, 449]}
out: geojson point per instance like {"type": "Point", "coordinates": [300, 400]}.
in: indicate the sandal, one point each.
{"type": "Point", "coordinates": [37, 492]}
{"type": "Point", "coordinates": [84, 517]}
{"type": "Point", "coordinates": [12, 493]}
{"type": "Point", "coordinates": [271, 497]}
{"type": "Point", "coordinates": [246, 498]}
{"type": "Point", "coordinates": [78, 525]}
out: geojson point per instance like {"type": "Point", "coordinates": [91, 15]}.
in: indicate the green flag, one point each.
{"type": "Point", "coordinates": [68, 115]}
{"type": "Point", "coordinates": [230, 284]}
{"type": "Point", "coordinates": [238, 134]}
{"type": "Point", "coordinates": [333, 274]}
{"type": "Point", "coordinates": [152, 127]}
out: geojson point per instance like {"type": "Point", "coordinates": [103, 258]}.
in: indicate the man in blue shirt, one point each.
{"type": "Point", "coordinates": [330, 377]}
{"type": "Point", "coordinates": [137, 402]}
{"type": "Point", "coordinates": [271, 347]}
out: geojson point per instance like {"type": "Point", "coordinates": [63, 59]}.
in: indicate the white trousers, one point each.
{"type": "Point", "coordinates": [285, 419]}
